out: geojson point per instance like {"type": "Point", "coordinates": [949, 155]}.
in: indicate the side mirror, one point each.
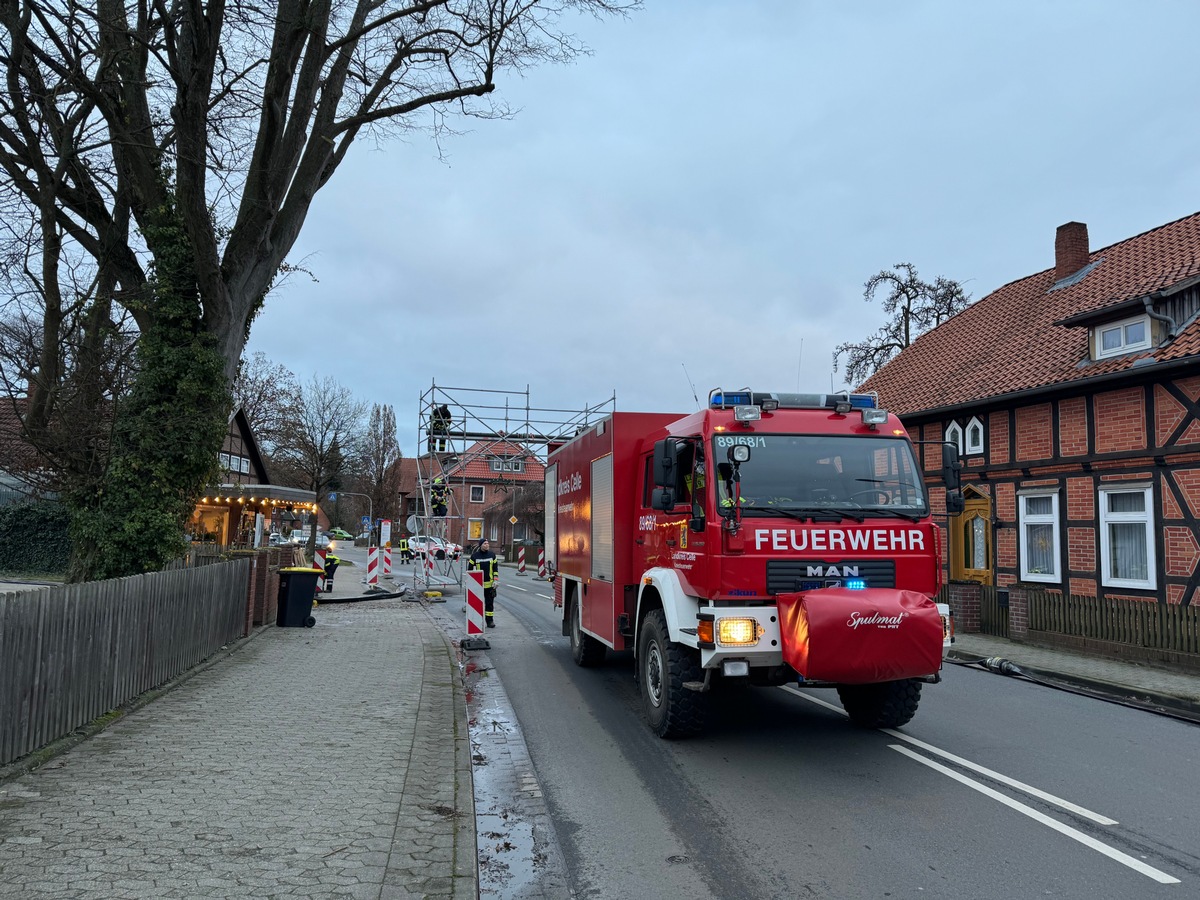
{"type": "Point", "coordinates": [665, 452]}
{"type": "Point", "coordinates": [955, 503]}
{"type": "Point", "coordinates": [951, 467]}
{"type": "Point", "coordinates": [663, 498]}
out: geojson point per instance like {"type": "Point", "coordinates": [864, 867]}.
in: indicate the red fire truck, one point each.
{"type": "Point", "coordinates": [765, 539]}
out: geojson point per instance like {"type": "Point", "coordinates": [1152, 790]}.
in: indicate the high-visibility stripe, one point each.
{"type": "Point", "coordinates": [475, 603]}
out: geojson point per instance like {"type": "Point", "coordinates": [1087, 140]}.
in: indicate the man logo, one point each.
{"type": "Point", "coordinates": [832, 571]}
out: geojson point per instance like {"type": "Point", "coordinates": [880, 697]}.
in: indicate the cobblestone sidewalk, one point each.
{"type": "Point", "coordinates": [323, 762]}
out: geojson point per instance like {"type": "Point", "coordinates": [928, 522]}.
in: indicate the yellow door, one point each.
{"type": "Point", "coordinates": [971, 540]}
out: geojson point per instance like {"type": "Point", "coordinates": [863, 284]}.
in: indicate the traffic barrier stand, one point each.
{"type": "Point", "coordinates": [520, 560]}
{"type": "Point", "coordinates": [373, 566]}
{"type": "Point", "coordinates": [474, 639]}
{"type": "Point", "coordinates": [319, 565]}
{"type": "Point", "coordinates": [387, 560]}
{"type": "Point", "coordinates": [541, 563]}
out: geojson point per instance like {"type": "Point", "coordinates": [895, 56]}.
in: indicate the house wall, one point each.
{"type": "Point", "coordinates": [1132, 433]}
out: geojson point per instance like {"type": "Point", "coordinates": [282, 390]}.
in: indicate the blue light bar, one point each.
{"type": "Point", "coordinates": [719, 399]}
{"type": "Point", "coordinates": [856, 584]}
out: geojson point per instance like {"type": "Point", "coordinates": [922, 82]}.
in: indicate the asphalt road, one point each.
{"type": "Point", "coordinates": [997, 789]}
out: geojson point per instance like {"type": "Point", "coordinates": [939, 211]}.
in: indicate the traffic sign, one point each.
{"type": "Point", "coordinates": [366, 520]}
{"type": "Point", "coordinates": [333, 496]}
{"type": "Point", "coordinates": [512, 520]}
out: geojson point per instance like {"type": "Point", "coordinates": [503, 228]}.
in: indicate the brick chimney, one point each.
{"type": "Point", "coordinates": [1070, 249]}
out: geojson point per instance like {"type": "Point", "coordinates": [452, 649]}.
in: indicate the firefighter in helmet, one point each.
{"type": "Point", "coordinates": [405, 550]}
{"type": "Point", "coordinates": [484, 560]}
{"type": "Point", "coordinates": [439, 496]}
{"type": "Point", "coordinates": [439, 426]}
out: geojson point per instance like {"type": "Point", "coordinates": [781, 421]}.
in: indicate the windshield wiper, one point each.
{"type": "Point", "coordinates": [890, 513]}
{"type": "Point", "coordinates": [802, 513]}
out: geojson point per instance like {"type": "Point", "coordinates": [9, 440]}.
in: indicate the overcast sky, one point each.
{"type": "Point", "coordinates": [715, 183]}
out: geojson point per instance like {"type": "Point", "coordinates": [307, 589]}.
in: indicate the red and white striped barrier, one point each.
{"type": "Point", "coordinates": [541, 563]}
{"type": "Point", "coordinates": [319, 565]}
{"type": "Point", "coordinates": [474, 603]}
{"type": "Point", "coordinates": [372, 565]}
{"type": "Point", "coordinates": [520, 560]}
{"type": "Point", "coordinates": [387, 560]}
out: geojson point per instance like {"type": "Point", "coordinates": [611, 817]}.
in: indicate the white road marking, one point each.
{"type": "Point", "coordinates": [1075, 835]}
{"type": "Point", "coordinates": [515, 588]}
{"type": "Point", "coordinates": [974, 767]}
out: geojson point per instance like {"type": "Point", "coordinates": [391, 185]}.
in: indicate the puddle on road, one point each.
{"type": "Point", "coordinates": [512, 852]}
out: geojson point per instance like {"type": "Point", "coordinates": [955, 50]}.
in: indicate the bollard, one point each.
{"type": "Point", "coordinates": [373, 565]}
{"type": "Point", "coordinates": [541, 563]}
{"type": "Point", "coordinates": [387, 560]}
{"type": "Point", "coordinates": [474, 603]}
{"type": "Point", "coordinates": [319, 565]}
{"type": "Point", "coordinates": [520, 560]}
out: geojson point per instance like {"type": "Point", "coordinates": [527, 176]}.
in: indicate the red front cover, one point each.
{"type": "Point", "coordinates": [860, 637]}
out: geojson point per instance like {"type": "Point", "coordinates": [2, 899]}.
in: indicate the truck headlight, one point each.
{"type": "Point", "coordinates": [738, 632]}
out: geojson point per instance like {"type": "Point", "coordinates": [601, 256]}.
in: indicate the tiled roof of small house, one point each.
{"type": "Point", "coordinates": [1008, 341]}
{"type": "Point", "coordinates": [475, 464]}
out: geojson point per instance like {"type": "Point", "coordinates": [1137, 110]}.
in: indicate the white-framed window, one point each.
{"type": "Point", "coordinates": [507, 464]}
{"type": "Point", "coordinates": [973, 437]}
{"type": "Point", "coordinates": [519, 531]}
{"type": "Point", "coordinates": [477, 493]}
{"type": "Point", "coordinates": [1127, 537]}
{"type": "Point", "coordinates": [224, 457]}
{"type": "Point", "coordinates": [1039, 536]}
{"type": "Point", "coordinates": [494, 534]}
{"type": "Point", "coordinates": [954, 435]}
{"type": "Point", "coordinates": [1125, 336]}
{"type": "Point", "coordinates": [245, 463]}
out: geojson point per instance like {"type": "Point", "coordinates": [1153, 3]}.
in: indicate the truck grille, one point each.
{"type": "Point", "coordinates": [788, 575]}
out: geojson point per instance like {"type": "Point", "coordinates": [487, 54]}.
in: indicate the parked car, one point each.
{"type": "Point", "coordinates": [420, 543]}
{"type": "Point", "coordinates": [275, 539]}
{"type": "Point", "coordinates": [339, 534]}
{"type": "Point", "coordinates": [324, 542]}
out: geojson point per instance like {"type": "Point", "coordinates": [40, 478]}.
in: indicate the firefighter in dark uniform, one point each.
{"type": "Point", "coordinates": [439, 497]}
{"type": "Point", "coordinates": [484, 560]}
{"type": "Point", "coordinates": [439, 426]}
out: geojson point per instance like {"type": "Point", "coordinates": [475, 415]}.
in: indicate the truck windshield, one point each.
{"type": "Point", "coordinates": [871, 476]}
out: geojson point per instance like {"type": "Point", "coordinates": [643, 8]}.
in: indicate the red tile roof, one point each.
{"type": "Point", "coordinates": [1007, 342]}
{"type": "Point", "coordinates": [475, 464]}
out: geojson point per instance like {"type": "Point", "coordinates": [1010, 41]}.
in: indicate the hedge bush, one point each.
{"type": "Point", "coordinates": [34, 539]}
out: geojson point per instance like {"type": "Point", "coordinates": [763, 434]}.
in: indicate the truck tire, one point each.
{"type": "Point", "coordinates": [585, 650]}
{"type": "Point", "coordinates": [663, 667]}
{"type": "Point", "coordinates": [888, 704]}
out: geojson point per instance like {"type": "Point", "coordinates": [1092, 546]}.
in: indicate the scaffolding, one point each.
{"type": "Point", "coordinates": [457, 426]}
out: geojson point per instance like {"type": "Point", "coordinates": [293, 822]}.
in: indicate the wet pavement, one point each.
{"type": "Point", "coordinates": [371, 756]}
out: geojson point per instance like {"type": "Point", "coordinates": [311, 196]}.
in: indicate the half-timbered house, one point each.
{"type": "Point", "coordinates": [1074, 397]}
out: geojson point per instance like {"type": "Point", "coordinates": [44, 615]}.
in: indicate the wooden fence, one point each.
{"type": "Point", "coordinates": [69, 654]}
{"type": "Point", "coordinates": [993, 611]}
{"type": "Point", "coordinates": [1138, 623]}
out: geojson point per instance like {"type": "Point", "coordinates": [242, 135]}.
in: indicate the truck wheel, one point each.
{"type": "Point", "coordinates": [585, 650]}
{"type": "Point", "coordinates": [889, 704]}
{"type": "Point", "coordinates": [663, 667]}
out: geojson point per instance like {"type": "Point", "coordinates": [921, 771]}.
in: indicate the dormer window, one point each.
{"type": "Point", "coordinates": [1119, 338]}
{"type": "Point", "coordinates": [954, 435]}
{"type": "Point", "coordinates": [973, 442]}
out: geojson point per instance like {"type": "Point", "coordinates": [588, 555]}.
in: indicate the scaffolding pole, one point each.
{"type": "Point", "coordinates": [457, 426]}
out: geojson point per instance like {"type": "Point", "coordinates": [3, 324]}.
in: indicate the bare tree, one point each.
{"type": "Point", "coordinates": [177, 149]}
{"type": "Point", "coordinates": [914, 306]}
{"type": "Point", "coordinates": [266, 392]}
{"type": "Point", "coordinates": [327, 428]}
{"type": "Point", "coordinates": [378, 464]}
